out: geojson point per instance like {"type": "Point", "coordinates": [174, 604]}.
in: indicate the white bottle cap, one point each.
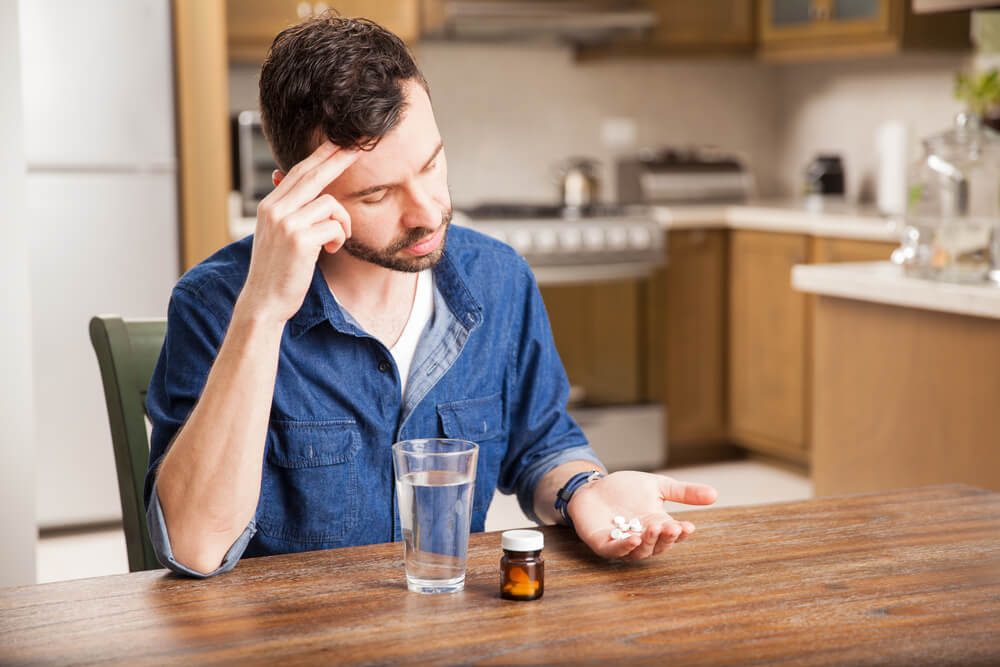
{"type": "Point", "coordinates": [522, 540]}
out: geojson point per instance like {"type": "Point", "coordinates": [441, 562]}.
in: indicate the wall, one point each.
{"type": "Point", "coordinates": [18, 532]}
{"type": "Point", "coordinates": [510, 113]}
{"type": "Point", "coordinates": [837, 106]}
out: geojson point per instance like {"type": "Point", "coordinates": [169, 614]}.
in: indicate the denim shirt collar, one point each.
{"type": "Point", "coordinates": [319, 304]}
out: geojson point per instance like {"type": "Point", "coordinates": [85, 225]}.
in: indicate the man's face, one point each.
{"type": "Point", "coordinates": [397, 193]}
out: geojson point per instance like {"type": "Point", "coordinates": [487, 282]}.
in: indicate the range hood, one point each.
{"type": "Point", "coordinates": [574, 21]}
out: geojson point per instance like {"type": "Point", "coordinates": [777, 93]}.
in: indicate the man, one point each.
{"type": "Point", "coordinates": [361, 318]}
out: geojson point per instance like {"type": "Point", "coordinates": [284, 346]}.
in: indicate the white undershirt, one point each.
{"type": "Point", "coordinates": [420, 314]}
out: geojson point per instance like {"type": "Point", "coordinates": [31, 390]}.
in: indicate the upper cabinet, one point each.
{"type": "Point", "coordinates": [707, 27]}
{"type": "Point", "coordinates": [816, 29]}
{"type": "Point", "coordinates": [253, 24]}
{"type": "Point", "coordinates": [789, 30]}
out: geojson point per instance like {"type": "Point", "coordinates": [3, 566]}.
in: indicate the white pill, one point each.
{"type": "Point", "coordinates": [616, 534]}
{"type": "Point", "coordinates": [635, 525]}
{"type": "Point", "coordinates": [620, 522]}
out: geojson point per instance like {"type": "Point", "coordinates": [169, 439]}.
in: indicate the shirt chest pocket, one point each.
{"type": "Point", "coordinates": [309, 492]}
{"type": "Point", "coordinates": [479, 420]}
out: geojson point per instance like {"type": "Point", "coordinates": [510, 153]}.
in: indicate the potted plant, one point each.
{"type": "Point", "coordinates": [981, 93]}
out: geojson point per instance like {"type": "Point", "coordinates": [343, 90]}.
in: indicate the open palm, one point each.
{"type": "Point", "coordinates": [634, 495]}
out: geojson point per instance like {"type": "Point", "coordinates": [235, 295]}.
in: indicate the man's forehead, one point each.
{"type": "Point", "coordinates": [402, 152]}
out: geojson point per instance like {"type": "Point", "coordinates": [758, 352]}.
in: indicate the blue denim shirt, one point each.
{"type": "Point", "coordinates": [485, 369]}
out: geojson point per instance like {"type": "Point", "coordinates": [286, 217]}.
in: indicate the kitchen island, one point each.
{"type": "Point", "coordinates": [906, 379]}
{"type": "Point", "coordinates": [900, 578]}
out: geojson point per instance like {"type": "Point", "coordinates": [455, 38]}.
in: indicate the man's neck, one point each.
{"type": "Point", "coordinates": [379, 298]}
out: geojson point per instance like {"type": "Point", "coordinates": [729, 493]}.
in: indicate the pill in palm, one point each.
{"type": "Point", "coordinates": [625, 529]}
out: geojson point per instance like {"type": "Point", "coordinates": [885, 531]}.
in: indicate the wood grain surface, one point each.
{"type": "Point", "coordinates": [903, 397]}
{"type": "Point", "coordinates": [909, 577]}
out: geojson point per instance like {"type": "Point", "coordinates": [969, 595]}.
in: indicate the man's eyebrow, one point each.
{"type": "Point", "coordinates": [385, 186]}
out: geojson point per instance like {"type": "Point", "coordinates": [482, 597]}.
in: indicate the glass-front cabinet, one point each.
{"type": "Point", "coordinates": [805, 19]}
{"type": "Point", "coordinates": [785, 13]}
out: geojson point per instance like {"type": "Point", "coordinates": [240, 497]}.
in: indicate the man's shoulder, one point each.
{"type": "Point", "coordinates": [476, 253]}
{"type": "Point", "coordinates": [494, 273]}
{"type": "Point", "coordinates": [220, 275]}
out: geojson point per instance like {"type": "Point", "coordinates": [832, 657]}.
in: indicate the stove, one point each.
{"type": "Point", "coordinates": [574, 245]}
{"type": "Point", "coordinates": [586, 247]}
{"type": "Point", "coordinates": [507, 211]}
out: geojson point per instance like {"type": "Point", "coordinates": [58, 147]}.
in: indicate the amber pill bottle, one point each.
{"type": "Point", "coordinates": [522, 568]}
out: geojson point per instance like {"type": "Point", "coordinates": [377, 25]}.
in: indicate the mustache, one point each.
{"type": "Point", "coordinates": [417, 234]}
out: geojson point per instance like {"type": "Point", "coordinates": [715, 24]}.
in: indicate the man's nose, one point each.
{"type": "Point", "coordinates": [421, 209]}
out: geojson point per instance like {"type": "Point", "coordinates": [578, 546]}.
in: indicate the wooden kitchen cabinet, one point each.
{"type": "Point", "coordinates": [686, 357]}
{"type": "Point", "coordinates": [768, 339]}
{"type": "Point", "coordinates": [829, 250]}
{"type": "Point", "coordinates": [598, 330]}
{"type": "Point", "coordinates": [797, 30]}
{"type": "Point", "coordinates": [253, 24]}
{"type": "Point", "coordinates": [707, 27]}
{"type": "Point", "coordinates": [770, 324]}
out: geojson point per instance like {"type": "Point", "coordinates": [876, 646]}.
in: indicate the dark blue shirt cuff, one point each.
{"type": "Point", "coordinates": [533, 474]}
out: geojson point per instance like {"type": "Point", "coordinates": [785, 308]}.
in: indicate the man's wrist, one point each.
{"type": "Point", "coordinates": [248, 315]}
{"type": "Point", "coordinates": [566, 493]}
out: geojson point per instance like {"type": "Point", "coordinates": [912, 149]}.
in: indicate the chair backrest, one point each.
{"type": "Point", "coordinates": [127, 351]}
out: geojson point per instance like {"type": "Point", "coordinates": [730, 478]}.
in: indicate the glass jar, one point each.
{"type": "Point", "coordinates": [951, 228]}
{"type": "Point", "coordinates": [522, 568]}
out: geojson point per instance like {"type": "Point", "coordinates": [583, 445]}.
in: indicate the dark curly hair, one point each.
{"type": "Point", "coordinates": [333, 77]}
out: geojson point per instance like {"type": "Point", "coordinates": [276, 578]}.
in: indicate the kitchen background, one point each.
{"type": "Point", "coordinates": [515, 111]}
{"type": "Point", "coordinates": [100, 200]}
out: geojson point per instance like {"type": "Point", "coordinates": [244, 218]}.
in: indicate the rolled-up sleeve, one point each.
{"type": "Point", "coordinates": [194, 335]}
{"type": "Point", "coordinates": [543, 434]}
{"type": "Point", "coordinates": [164, 553]}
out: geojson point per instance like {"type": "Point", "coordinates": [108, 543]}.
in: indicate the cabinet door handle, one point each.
{"type": "Point", "coordinates": [303, 9]}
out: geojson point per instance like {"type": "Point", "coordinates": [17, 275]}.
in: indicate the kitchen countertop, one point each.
{"type": "Point", "coordinates": [789, 216]}
{"type": "Point", "coordinates": [901, 577]}
{"type": "Point", "coordinates": [884, 282]}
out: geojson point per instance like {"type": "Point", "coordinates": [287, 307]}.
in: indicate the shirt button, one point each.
{"type": "Point", "coordinates": [384, 366]}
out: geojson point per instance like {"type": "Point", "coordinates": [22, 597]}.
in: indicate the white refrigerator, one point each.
{"type": "Point", "coordinates": [97, 91]}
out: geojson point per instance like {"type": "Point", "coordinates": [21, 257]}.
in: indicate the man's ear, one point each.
{"type": "Point", "coordinates": [276, 177]}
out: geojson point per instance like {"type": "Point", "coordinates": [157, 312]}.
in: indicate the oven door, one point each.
{"type": "Point", "coordinates": [626, 437]}
{"type": "Point", "coordinates": [600, 333]}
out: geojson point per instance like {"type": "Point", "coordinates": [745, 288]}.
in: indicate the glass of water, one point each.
{"type": "Point", "coordinates": [435, 479]}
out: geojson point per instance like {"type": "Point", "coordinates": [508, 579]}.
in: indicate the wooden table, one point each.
{"type": "Point", "coordinates": [901, 578]}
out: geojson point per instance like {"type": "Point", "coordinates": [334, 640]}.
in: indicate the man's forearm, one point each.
{"type": "Point", "coordinates": [209, 481]}
{"type": "Point", "coordinates": [548, 487]}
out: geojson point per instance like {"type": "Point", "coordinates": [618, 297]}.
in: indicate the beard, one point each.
{"type": "Point", "coordinates": [388, 257]}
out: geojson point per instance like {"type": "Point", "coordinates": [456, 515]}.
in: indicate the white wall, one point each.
{"type": "Point", "coordinates": [837, 107]}
{"type": "Point", "coordinates": [18, 532]}
{"type": "Point", "coordinates": [510, 112]}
